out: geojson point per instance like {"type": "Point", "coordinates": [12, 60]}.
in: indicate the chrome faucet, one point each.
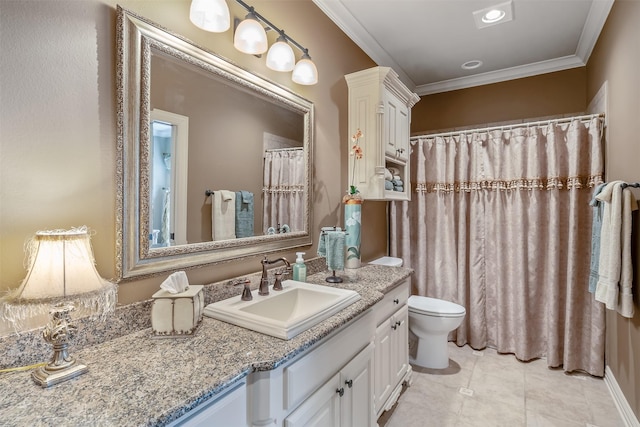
{"type": "Point", "coordinates": [264, 281]}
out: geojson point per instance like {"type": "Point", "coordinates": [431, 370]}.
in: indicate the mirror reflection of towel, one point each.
{"type": "Point", "coordinates": [223, 215]}
{"type": "Point", "coordinates": [244, 214]}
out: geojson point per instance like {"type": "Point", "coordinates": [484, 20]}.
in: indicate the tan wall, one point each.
{"type": "Point", "coordinates": [616, 60]}
{"type": "Point", "coordinates": [539, 96]}
{"type": "Point", "coordinates": [58, 123]}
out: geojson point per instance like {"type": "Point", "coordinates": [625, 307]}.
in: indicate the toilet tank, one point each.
{"type": "Point", "coordinates": [389, 261]}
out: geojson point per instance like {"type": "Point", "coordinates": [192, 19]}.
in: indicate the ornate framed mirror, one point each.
{"type": "Point", "coordinates": [197, 135]}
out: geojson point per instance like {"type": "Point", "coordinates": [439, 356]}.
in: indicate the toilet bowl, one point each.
{"type": "Point", "coordinates": [431, 320]}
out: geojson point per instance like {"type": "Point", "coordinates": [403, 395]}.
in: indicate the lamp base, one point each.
{"type": "Point", "coordinates": [46, 378]}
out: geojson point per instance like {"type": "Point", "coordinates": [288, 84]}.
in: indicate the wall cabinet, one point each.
{"type": "Point", "coordinates": [380, 106]}
{"type": "Point", "coordinates": [391, 348]}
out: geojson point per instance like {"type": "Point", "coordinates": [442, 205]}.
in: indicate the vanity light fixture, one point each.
{"type": "Point", "coordinates": [61, 271]}
{"type": "Point", "coordinates": [280, 56]}
{"type": "Point", "coordinates": [493, 15]}
{"type": "Point", "coordinates": [305, 72]}
{"type": "Point", "coordinates": [250, 37]}
{"type": "Point", "coordinates": [210, 15]}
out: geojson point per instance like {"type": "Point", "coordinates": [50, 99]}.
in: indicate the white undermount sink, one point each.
{"type": "Point", "coordinates": [286, 313]}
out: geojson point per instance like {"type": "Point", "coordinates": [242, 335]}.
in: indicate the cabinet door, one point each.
{"type": "Point", "coordinates": [392, 107]}
{"type": "Point", "coordinates": [382, 362]}
{"type": "Point", "coordinates": [228, 410]}
{"type": "Point", "coordinates": [321, 409]}
{"type": "Point", "coordinates": [357, 400]}
{"type": "Point", "coordinates": [402, 135]}
{"type": "Point", "coordinates": [400, 345]}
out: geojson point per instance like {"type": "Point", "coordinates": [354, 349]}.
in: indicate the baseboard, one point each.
{"type": "Point", "coordinates": [628, 416]}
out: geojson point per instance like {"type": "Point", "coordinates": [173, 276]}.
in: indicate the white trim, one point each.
{"type": "Point", "coordinates": [598, 13]}
{"type": "Point", "coordinates": [542, 67]}
{"type": "Point", "coordinates": [626, 413]}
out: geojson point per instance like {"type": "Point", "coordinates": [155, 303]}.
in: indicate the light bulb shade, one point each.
{"type": "Point", "coordinates": [210, 15]}
{"type": "Point", "coordinates": [280, 56]}
{"type": "Point", "coordinates": [305, 72]}
{"type": "Point", "coordinates": [60, 268]}
{"type": "Point", "coordinates": [250, 36]}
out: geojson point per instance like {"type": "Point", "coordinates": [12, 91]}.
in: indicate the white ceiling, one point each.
{"type": "Point", "coordinates": [427, 41]}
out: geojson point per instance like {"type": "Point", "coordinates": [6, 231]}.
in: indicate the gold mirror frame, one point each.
{"type": "Point", "coordinates": [136, 36]}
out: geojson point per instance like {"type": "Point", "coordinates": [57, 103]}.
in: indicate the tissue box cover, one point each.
{"type": "Point", "coordinates": [177, 315]}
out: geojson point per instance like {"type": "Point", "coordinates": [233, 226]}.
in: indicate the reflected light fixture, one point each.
{"type": "Point", "coordinates": [61, 272]}
{"type": "Point", "coordinates": [280, 56]}
{"type": "Point", "coordinates": [305, 72]}
{"type": "Point", "coordinates": [210, 15]}
{"type": "Point", "coordinates": [250, 36]}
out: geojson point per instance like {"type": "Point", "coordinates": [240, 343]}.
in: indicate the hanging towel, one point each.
{"type": "Point", "coordinates": [615, 269]}
{"type": "Point", "coordinates": [335, 241]}
{"type": "Point", "coordinates": [244, 214]}
{"type": "Point", "coordinates": [223, 215]}
{"type": "Point", "coordinates": [596, 227]}
{"type": "Point", "coordinates": [322, 240]}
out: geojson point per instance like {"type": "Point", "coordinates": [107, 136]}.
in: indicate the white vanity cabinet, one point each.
{"type": "Point", "coordinates": [380, 106]}
{"type": "Point", "coordinates": [229, 409]}
{"type": "Point", "coordinates": [391, 347]}
{"type": "Point", "coordinates": [344, 400]}
{"type": "Point", "coordinates": [331, 385]}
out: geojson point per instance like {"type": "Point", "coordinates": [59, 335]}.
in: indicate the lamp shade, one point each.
{"type": "Point", "coordinates": [305, 72]}
{"type": "Point", "coordinates": [60, 268]}
{"type": "Point", "coordinates": [210, 15]}
{"type": "Point", "coordinates": [250, 36]}
{"type": "Point", "coordinates": [280, 56]}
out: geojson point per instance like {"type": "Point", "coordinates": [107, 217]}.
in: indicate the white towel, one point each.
{"type": "Point", "coordinates": [615, 269]}
{"type": "Point", "coordinates": [223, 215]}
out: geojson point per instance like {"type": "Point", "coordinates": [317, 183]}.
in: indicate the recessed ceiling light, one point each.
{"type": "Point", "coordinates": [494, 15]}
{"type": "Point", "coordinates": [472, 65]}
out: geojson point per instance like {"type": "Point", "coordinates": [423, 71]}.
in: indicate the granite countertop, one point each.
{"type": "Point", "coordinates": [138, 380]}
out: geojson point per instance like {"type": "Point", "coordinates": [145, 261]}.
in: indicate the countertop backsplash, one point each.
{"type": "Point", "coordinates": [26, 348]}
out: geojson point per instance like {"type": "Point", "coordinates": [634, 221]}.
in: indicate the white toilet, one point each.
{"type": "Point", "coordinates": [431, 320]}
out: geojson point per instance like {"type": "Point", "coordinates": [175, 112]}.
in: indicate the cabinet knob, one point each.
{"type": "Point", "coordinates": [396, 301]}
{"type": "Point", "coordinates": [394, 326]}
{"type": "Point", "coordinates": [399, 323]}
{"type": "Point", "coordinates": [349, 383]}
{"type": "Point", "coordinates": [340, 391]}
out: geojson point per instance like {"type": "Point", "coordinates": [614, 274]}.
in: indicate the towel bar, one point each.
{"type": "Point", "coordinates": [633, 184]}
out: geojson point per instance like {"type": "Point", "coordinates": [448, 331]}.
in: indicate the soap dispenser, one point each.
{"type": "Point", "coordinates": [299, 268]}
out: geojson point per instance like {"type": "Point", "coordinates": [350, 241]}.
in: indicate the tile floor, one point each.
{"type": "Point", "coordinates": [487, 389]}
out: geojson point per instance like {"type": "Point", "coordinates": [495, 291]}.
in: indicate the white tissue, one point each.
{"type": "Point", "coordinates": [176, 283]}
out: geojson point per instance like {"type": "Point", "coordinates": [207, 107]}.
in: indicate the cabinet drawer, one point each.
{"type": "Point", "coordinates": [392, 301]}
{"type": "Point", "coordinates": [304, 376]}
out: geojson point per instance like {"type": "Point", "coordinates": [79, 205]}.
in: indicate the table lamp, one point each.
{"type": "Point", "coordinates": [61, 273]}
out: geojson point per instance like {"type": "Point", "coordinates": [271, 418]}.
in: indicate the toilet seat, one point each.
{"type": "Point", "coordinates": [434, 307]}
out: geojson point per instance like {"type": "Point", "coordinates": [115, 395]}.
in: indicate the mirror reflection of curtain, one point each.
{"type": "Point", "coordinates": [283, 189]}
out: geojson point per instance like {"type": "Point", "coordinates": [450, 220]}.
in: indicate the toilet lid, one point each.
{"type": "Point", "coordinates": [434, 306]}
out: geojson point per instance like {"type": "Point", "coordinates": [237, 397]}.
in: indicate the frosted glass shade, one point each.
{"type": "Point", "coordinates": [250, 37]}
{"type": "Point", "coordinates": [305, 72]}
{"type": "Point", "coordinates": [210, 15]}
{"type": "Point", "coordinates": [280, 56]}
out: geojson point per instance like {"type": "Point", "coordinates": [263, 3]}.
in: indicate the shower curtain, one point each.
{"type": "Point", "coordinates": [500, 223]}
{"type": "Point", "coordinates": [283, 189]}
